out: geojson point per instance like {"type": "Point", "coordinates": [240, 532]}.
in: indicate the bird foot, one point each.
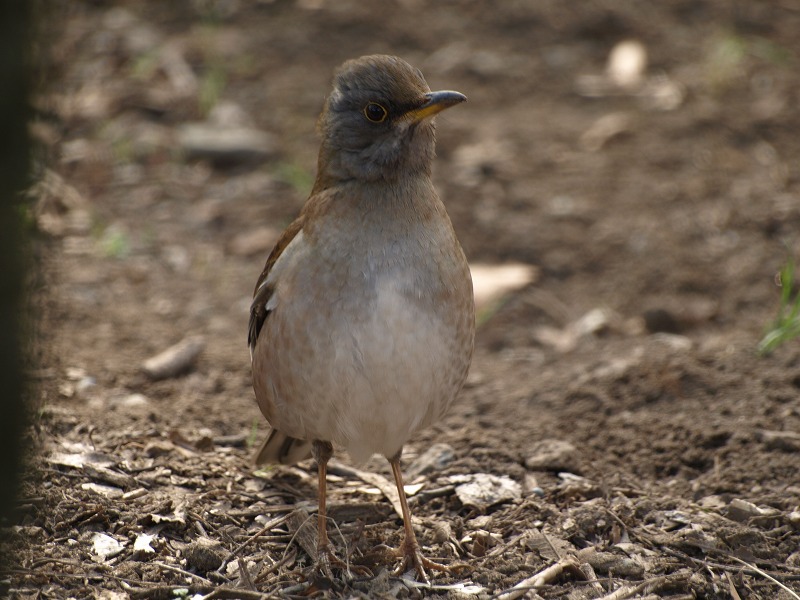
{"type": "Point", "coordinates": [413, 558]}
{"type": "Point", "coordinates": [327, 561]}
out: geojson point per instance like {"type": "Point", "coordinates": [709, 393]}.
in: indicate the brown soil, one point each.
{"type": "Point", "coordinates": [675, 448]}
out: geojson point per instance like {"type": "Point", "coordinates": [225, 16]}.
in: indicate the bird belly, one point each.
{"type": "Point", "coordinates": [363, 377]}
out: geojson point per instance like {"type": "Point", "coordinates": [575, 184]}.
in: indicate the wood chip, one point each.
{"type": "Point", "coordinates": [225, 146]}
{"type": "Point", "coordinates": [541, 578]}
{"type": "Point", "coordinates": [302, 526]}
{"type": "Point", "coordinates": [491, 282]}
{"type": "Point", "coordinates": [174, 360]}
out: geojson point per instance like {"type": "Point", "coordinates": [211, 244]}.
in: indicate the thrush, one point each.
{"type": "Point", "coordinates": [362, 323]}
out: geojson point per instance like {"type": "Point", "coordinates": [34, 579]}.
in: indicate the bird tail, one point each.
{"type": "Point", "coordinates": [282, 449]}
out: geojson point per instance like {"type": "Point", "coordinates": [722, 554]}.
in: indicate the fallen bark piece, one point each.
{"type": "Point", "coordinates": [205, 554]}
{"type": "Point", "coordinates": [175, 360]}
{"type": "Point", "coordinates": [608, 563]}
{"type": "Point", "coordinates": [102, 490]}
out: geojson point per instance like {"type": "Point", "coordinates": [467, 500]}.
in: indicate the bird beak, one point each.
{"type": "Point", "coordinates": [434, 103]}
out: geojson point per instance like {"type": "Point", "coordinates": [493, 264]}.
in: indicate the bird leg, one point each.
{"type": "Point", "coordinates": [409, 549]}
{"type": "Point", "coordinates": [322, 452]}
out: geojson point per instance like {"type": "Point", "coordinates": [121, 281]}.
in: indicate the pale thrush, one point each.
{"type": "Point", "coordinates": [362, 323]}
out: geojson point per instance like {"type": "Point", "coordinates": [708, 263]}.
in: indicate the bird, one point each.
{"type": "Point", "coordinates": [362, 323]}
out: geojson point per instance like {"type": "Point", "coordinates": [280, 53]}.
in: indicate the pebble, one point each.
{"type": "Point", "coordinates": [483, 490]}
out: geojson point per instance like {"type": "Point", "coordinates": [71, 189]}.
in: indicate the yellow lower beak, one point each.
{"type": "Point", "coordinates": [435, 102]}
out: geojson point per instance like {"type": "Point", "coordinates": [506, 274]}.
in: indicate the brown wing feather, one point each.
{"type": "Point", "coordinates": [261, 294]}
{"type": "Point", "coordinates": [282, 449]}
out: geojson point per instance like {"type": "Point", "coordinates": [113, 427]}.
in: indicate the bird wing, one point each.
{"type": "Point", "coordinates": [282, 449]}
{"type": "Point", "coordinates": [263, 291]}
{"type": "Point", "coordinates": [278, 447]}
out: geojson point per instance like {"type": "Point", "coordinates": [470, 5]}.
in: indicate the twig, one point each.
{"type": "Point", "coordinates": [629, 591]}
{"type": "Point", "coordinates": [182, 572]}
{"type": "Point", "coordinates": [245, 581]}
{"type": "Point", "coordinates": [541, 578]}
{"type": "Point", "coordinates": [732, 588]}
{"type": "Point", "coordinates": [287, 557]}
{"type": "Point", "coordinates": [234, 594]}
{"type": "Point", "coordinates": [718, 565]}
{"type": "Point", "coordinates": [269, 526]}
{"type": "Point", "coordinates": [767, 576]}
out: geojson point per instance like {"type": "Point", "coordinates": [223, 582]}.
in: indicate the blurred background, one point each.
{"type": "Point", "coordinates": [624, 177]}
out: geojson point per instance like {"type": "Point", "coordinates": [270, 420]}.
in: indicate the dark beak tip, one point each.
{"type": "Point", "coordinates": [446, 98]}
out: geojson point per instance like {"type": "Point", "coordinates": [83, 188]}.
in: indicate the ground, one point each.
{"type": "Point", "coordinates": [639, 444]}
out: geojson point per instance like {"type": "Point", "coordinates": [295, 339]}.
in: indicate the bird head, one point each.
{"type": "Point", "coordinates": [377, 121]}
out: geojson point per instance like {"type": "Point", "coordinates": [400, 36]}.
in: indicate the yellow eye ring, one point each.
{"type": "Point", "coordinates": [375, 113]}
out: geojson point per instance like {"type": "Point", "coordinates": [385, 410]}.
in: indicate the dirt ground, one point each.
{"type": "Point", "coordinates": [624, 437]}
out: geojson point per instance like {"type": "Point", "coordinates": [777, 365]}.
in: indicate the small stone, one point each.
{"type": "Point", "coordinates": [794, 518]}
{"type": "Point", "coordinates": [627, 63]}
{"type": "Point", "coordinates": [483, 490]}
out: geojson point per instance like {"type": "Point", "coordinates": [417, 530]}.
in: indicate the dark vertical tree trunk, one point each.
{"type": "Point", "coordinates": [14, 173]}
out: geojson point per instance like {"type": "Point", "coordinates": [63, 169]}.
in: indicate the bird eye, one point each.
{"type": "Point", "coordinates": [375, 112]}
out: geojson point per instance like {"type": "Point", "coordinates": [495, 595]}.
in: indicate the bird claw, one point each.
{"type": "Point", "coordinates": [327, 561]}
{"type": "Point", "coordinates": [413, 558]}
